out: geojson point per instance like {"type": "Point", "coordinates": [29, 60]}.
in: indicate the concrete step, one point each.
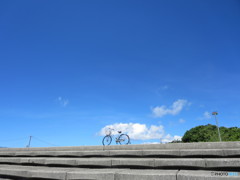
{"type": "Point", "coordinates": [148, 163]}
{"type": "Point", "coordinates": [82, 173]}
{"type": "Point", "coordinates": [181, 161]}
{"type": "Point", "coordinates": [131, 153]}
{"type": "Point", "coordinates": [30, 173]}
{"type": "Point", "coordinates": [171, 146]}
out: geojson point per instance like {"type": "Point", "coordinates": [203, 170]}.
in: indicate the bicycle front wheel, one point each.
{"type": "Point", "coordinates": [107, 140]}
{"type": "Point", "coordinates": [124, 139]}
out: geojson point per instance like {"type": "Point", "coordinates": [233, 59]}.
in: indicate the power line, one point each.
{"type": "Point", "coordinates": [25, 139]}
{"type": "Point", "coordinates": [15, 139]}
{"type": "Point", "coordinates": [44, 141]}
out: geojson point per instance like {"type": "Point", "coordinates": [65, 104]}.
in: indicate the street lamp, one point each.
{"type": "Point", "coordinates": [215, 114]}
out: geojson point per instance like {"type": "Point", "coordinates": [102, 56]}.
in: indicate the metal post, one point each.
{"type": "Point", "coordinates": [219, 135]}
{"type": "Point", "coordinates": [30, 138]}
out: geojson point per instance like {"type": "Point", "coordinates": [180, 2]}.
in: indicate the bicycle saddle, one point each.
{"type": "Point", "coordinates": [119, 131]}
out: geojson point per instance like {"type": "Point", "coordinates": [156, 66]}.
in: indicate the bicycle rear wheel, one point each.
{"type": "Point", "coordinates": [124, 139]}
{"type": "Point", "coordinates": [107, 140]}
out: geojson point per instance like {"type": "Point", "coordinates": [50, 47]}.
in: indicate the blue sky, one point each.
{"type": "Point", "coordinates": [69, 69]}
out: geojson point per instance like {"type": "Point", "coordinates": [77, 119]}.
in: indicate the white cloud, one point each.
{"type": "Point", "coordinates": [151, 142]}
{"type": "Point", "coordinates": [162, 89]}
{"type": "Point", "coordinates": [168, 138]}
{"type": "Point", "coordinates": [206, 115]}
{"type": "Point", "coordinates": [175, 109]}
{"type": "Point", "coordinates": [179, 138]}
{"type": "Point", "coordinates": [137, 131]}
{"type": "Point", "coordinates": [165, 87]}
{"type": "Point", "coordinates": [182, 121]}
{"type": "Point", "coordinates": [63, 102]}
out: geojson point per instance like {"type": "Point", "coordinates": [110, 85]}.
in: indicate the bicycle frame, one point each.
{"type": "Point", "coordinates": [117, 140]}
{"type": "Point", "coordinates": [120, 138]}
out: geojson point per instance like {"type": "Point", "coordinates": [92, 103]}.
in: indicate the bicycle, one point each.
{"type": "Point", "coordinates": [121, 138]}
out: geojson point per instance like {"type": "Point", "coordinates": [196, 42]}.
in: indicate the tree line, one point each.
{"type": "Point", "coordinates": [209, 133]}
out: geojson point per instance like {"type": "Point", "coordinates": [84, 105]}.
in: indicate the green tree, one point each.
{"type": "Point", "coordinates": [208, 133]}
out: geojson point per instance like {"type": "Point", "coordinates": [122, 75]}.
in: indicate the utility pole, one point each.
{"type": "Point", "coordinates": [215, 114]}
{"type": "Point", "coordinates": [29, 142]}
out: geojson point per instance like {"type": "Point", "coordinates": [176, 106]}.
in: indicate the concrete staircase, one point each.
{"type": "Point", "coordinates": [180, 161]}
